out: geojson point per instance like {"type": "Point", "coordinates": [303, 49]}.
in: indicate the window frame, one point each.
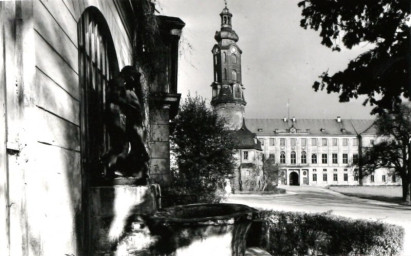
{"type": "Point", "coordinates": [293, 157]}
{"type": "Point", "coordinates": [303, 157]}
{"type": "Point", "coordinates": [245, 155]}
{"type": "Point", "coordinates": [314, 158]}
{"type": "Point", "coordinates": [324, 158]}
{"type": "Point", "coordinates": [334, 158]}
{"type": "Point", "coordinates": [345, 158]}
{"type": "Point", "coordinates": [282, 157]}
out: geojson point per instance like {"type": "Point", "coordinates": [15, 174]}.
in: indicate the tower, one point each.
{"type": "Point", "coordinates": [227, 89]}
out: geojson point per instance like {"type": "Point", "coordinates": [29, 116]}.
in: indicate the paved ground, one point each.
{"type": "Point", "coordinates": [316, 200]}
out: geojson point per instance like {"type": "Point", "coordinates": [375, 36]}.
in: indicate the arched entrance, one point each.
{"type": "Point", "coordinates": [294, 180]}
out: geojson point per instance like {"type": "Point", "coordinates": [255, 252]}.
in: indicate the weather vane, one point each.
{"type": "Point", "coordinates": [225, 3]}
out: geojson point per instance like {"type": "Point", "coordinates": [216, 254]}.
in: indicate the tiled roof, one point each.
{"type": "Point", "coordinates": [315, 127]}
{"type": "Point", "coordinates": [245, 139]}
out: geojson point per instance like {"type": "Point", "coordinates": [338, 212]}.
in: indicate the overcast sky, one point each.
{"type": "Point", "coordinates": [280, 60]}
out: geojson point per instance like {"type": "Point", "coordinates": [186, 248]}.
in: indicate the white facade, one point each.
{"type": "Point", "coordinates": [318, 157]}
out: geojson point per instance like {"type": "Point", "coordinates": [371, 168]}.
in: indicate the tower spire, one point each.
{"type": "Point", "coordinates": [227, 88]}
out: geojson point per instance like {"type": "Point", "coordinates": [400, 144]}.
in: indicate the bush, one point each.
{"type": "Point", "coordinates": [203, 151]}
{"type": "Point", "coordinates": [287, 233]}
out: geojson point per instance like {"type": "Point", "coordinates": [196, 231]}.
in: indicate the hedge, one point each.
{"type": "Point", "coordinates": [290, 233]}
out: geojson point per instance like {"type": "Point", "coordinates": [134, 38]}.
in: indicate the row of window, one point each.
{"type": "Point", "coordinates": [225, 75]}
{"type": "Point", "coordinates": [335, 177]}
{"type": "Point", "coordinates": [237, 91]}
{"type": "Point", "coordinates": [314, 142]}
{"type": "Point", "coordinates": [324, 158]}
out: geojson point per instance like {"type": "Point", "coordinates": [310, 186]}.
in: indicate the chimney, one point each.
{"type": "Point", "coordinates": [293, 119]}
{"type": "Point", "coordinates": [285, 119]}
{"type": "Point", "coordinates": [338, 119]}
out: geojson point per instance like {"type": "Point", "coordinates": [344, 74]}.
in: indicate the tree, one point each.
{"type": "Point", "coordinates": [381, 72]}
{"type": "Point", "coordinates": [203, 152]}
{"type": "Point", "coordinates": [394, 130]}
{"type": "Point", "coordinates": [270, 174]}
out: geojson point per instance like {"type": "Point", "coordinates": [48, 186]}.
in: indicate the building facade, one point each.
{"type": "Point", "coordinates": [319, 152]}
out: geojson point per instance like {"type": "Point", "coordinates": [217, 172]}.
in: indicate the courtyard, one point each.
{"type": "Point", "coordinates": [320, 200]}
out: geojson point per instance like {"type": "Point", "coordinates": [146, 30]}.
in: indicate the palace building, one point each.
{"type": "Point", "coordinates": [314, 152]}
{"type": "Point", "coordinates": [319, 152]}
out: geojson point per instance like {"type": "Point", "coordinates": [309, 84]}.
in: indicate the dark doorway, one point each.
{"type": "Point", "coordinates": [294, 181]}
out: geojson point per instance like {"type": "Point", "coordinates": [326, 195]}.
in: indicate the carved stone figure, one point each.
{"type": "Point", "coordinates": [127, 155]}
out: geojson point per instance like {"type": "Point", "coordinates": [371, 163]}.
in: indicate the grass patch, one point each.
{"type": "Point", "coordinates": [290, 233]}
{"type": "Point", "coordinates": [391, 194]}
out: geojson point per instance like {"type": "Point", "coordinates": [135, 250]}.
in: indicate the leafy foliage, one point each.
{"type": "Point", "coordinates": [203, 151]}
{"type": "Point", "coordinates": [393, 150]}
{"type": "Point", "coordinates": [270, 174]}
{"type": "Point", "coordinates": [289, 233]}
{"type": "Point", "coordinates": [381, 72]}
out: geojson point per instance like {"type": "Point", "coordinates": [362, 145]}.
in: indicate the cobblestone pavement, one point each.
{"type": "Point", "coordinates": [317, 200]}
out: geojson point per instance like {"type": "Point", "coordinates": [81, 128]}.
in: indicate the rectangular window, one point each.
{"type": "Point", "coordinates": [345, 176]}
{"type": "Point", "coordinates": [345, 170]}
{"type": "Point", "coordinates": [335, 177]}
{"type": "Point", "coordinates": [335, 142]}
{"type": "Point", "coordinates": [335, 158]}
{"type": "Point", "coordinates": [314, 170]}
{"type": "Point", "coordinates": [282, 157]}
{"type": "Point", "coordinates": [345, 142]}
{"type": "Point", "coordinates": [293, 158]}
{"type": "Point", "coordinates": [272, 142]}
{"type": "Point", "coordinates": [356, 174]}
{"type": "Point", "coordinates": [372, 178]}
{"type": "Point", "coordinates": [314, 158]}
{"type": "Point", "coordinates": [355, 142]}
{"type": "Point", "coordinates": [303, 142]}
{"type": "Point", "coordinates": [282, 142]}
{"type": "Point", "coordinates": [313, 142]}
{"type": "Point", "coordinates": [303, 157]}
{"type": "Point", "coordinates": [324, 177]}
{"type": "Point", "coordinates": [324, 158]}
{"type": "Point", "coordinates": [335, 170]}
{"type": "Point", "coordinates": [245, 155]}
{"type": "Point", "coordinates": [314, 177]}
{"type": "Point", "coordinates": [383, 178]}
{"type": "Point", "coordinates": [324, 142]}
{"type": "Point", "coordinates": [355, 159]}
{"type": "Point", "coordinates": [345, 158]}
{"type": "Point", "coordinates": [293, 142]}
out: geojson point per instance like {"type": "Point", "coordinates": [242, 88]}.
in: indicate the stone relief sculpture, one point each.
{"type": "Point", "coordinates": [127, 155]}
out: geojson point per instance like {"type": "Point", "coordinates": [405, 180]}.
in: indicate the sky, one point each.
{"type": "Point", "coordinates": [280, 60]}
